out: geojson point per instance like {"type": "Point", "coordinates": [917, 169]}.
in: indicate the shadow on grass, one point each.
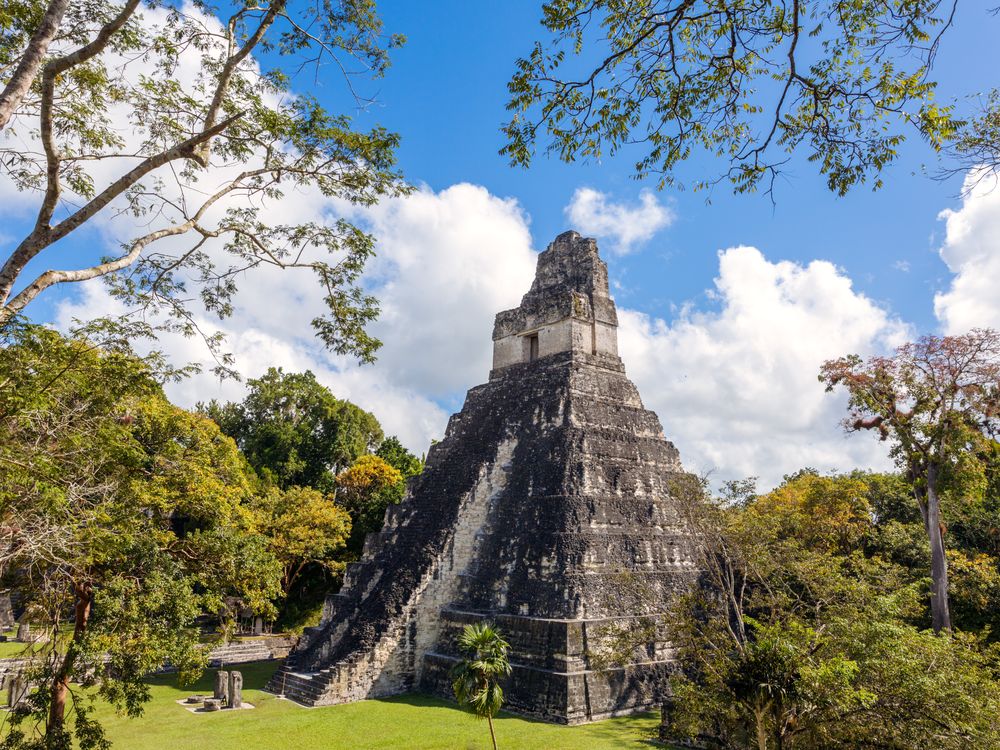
{"type": "Point", "coordinates": [637, 731]}
{"type": "Point", "coordinates": [608, 729]}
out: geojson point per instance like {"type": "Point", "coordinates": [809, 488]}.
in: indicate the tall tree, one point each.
{"type": "Point", "coordinates": [936, 401]}
{"type": "Point", "coordinates": [366, 489]}
{"type": "Point", "coordinates": [748, 82]}
{"type": "Point", "coordinates": [303, 527]}
{"type": "Point", "coordinates": [796, 636]}
{"type": "Point", "coordinates": [186, 121]}
{"type": "Point", "coordinates": [125, 512]}
{"type": "Point", "coordinates": [293, 430]}
{"type": "Point", "coordinates": [477, 676]}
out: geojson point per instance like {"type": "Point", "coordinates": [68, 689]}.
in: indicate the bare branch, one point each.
{"type": "Point", "coordinates": [40, 239]}
{"type": "Point", "coordinates": [232, 62]}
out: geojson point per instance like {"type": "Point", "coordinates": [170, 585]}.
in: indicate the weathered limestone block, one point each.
{"type": "Point", "coordinates": [7, 621]}
{"type": "Point", "coordinates": [221, 691]}
{"type": "Point", "coordinates": [567, 309]}
{"type": "Point", "coordinates": [28, 633]}
{"type": "Point", "coordinates": [235, 690]}
{"type": "Point", "coordinates": [17, 690]}
{"type": "Point", "coordinates": [211, 704]}
{"type": "Point", "coordinates": [546, 508]}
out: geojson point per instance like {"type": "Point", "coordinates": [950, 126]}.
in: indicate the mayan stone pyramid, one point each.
{"type": "Point", "coordinates": [545, 501]}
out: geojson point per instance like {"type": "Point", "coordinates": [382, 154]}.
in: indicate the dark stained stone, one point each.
{"type": "Point", "coordinates": [545, 509]}
{"type": "Point", "coordinates": [221, 691]}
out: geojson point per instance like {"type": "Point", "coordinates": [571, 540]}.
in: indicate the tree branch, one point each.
{"type": "Point", "coordinates": [52, 277]}
{"type": "Point", "coordinates": [31, 60]}
{"type": "Point", "coordinates": [39, 240]}
{"type": "Point", "coordinates": [232, 61]}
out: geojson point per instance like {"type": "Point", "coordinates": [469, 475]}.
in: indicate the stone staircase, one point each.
{"type": "Point", "coordinates": [547, 508]}
{"type": "Point", "coordinates": [344, 682]}
{"type": "Point", "coordinates": [255, 649]}
{"type": "Point", "coordinates": [307, 689]}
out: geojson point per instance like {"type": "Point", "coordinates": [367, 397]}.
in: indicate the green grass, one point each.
{"type": "Point", "coordinates": [11, 648]}
{"type": "Point", "coordinates": [408, 721]}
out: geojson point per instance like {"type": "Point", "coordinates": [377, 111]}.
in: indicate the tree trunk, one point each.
{"type": "Point", "coordinates": [60, 683]}
{"type": "Point", "coordinates": [761, 728]}
{"type": "Point", "coordinates": [493, 735]}
{"type": "Point", "coordinates": [31, 60]}
{"type": "Point", "coordinates": [940, 615]}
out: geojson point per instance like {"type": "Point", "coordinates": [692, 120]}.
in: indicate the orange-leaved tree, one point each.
{"type": "Point", "coordinates": [937, 400]}
{"type": "Point", "coordinates": [366, 488]}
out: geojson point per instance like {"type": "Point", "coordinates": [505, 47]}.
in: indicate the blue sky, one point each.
{"type": "Point", "coordinates": [446, 95]}
{"type": "Point", "coordinates": [727, 310]}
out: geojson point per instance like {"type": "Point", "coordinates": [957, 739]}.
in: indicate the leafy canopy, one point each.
{"type": "Point", "coordinates": [303, 527]}
{"type": "Point", "coordinates": [937, 402]}
{"type": "Point", "coordinates": [123, 511]}
{"type": "Point", "coordinates": [748, 82]}
{"type": "Point", "coordinates": [187, 127]}
{"type": "Point", "coordinates": [294, 431]}
{"type": "Point", "coordinates": [366, 489]}
{"type": "Point", "coordinates": [800, 637]}
{"type": "Point", "coordinates": [394, 453]}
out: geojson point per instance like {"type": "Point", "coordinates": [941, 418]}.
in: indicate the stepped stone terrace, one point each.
{"type": "Point", "coordinates": [545, 508]}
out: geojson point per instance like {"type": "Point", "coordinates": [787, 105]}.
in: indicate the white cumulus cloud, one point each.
{"type": "Point", "coordinates": [971, 251]}
{"type": "Point", "coordinates": [736, 388]}
{"type": "Point", "coordinates": [447, 262]}
{"type": "Point", "coordinates": [591, 212]}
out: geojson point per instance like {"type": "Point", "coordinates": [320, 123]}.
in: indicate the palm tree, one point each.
{"type": "Point", "coordinates": [476, 678]}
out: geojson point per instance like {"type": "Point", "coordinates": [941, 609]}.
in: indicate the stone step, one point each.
{"type": "Point", "coordinates": [301, 688]}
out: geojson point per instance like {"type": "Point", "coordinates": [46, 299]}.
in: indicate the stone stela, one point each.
{"type": "Point", "coordinates": [546, 509]}
{"type": "Point", "coordinates": [234, 699]}
{"type": "Point", "coordinates": [227, 694]}
{"type": "Point", "coordinates": [221, 692]}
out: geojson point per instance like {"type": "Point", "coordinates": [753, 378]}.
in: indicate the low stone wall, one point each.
{"type": "Point", "coordinates": [8, 668]}
{"type": "Point", "coordinates": [257, 649]}
{"type": "Point", "coordinates": [267, 648]}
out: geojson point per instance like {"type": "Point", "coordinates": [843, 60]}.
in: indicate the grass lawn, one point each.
{"type": "Point", "coordinates": [11, 648]}
{"type": "Point", "coordinates": [408, 721]}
